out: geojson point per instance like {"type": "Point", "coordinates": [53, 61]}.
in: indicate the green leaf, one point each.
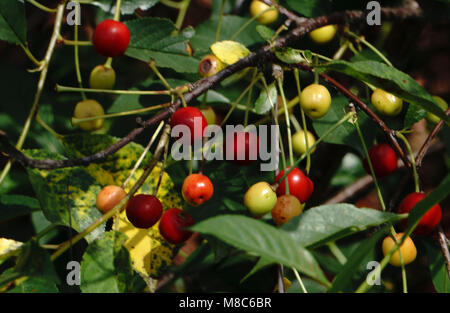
{"type": "Point", "coordinates": [35, 285]}
{"type": "Point", "coordinates": [34, 261]}
{"type": "Point", "coordinates": [390, 80]}
{"type": "Point", "coordinates": [259, 238]}
{"type": "Point", "coordinates": [262, 263]}
{"type": "Point", "coordinates": [436, 196]}
{"type": "Point", "coordinates": [289, 55]}
{"type": "Point", "coordinates": [265, 32]}
{"type": "Point", "coordinates": [127, 7]}
{"type": "Point", "coordinates": [346, 133]}
{"type": "Point", "coordinates": [310, 8]}
{"type": "Point", "coordinates": [438, 268]}
{"type": "Point", "coordinates": [413, 115]}
{"type": "Point", "coordinates": [326, 223]}
{"type": "Point", "coordinates": [106, 265]}
{"type": "Point", "coordinates": [344, 277]}
{"type": "Point", "coordinates": [13, 24]}
{"type": "Point", "coordinates": [17, 205]}
{"type": "Point", "coordinates": [263, 103]}
{"type": "Point", "coordinates": [151, 38]}
{"type": "Point", "coordinates": [62, 190]}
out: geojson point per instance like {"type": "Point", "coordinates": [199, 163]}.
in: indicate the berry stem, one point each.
{"type": "Point", "coordinates": [68, 42]}
{"type": "Point", "coordinates": [286, 115]}
{"type": "Point", "coordinates": [184, 5]}
{"type": "Point", "coordinates": [340, 52]}
{"type": "Point", "coordinates": [366, 153]}
{"type": "Point", "coordinates": [31, 56]}
{"type": "Point", "coordinates": [305, 127]}
{"type": "Point", "coordinates": [117, 13]}
{"type": "Point", "coordinates": [40, 86]}
{"type": "Point", "coordinates": [47, 127]}
{"type": "Point", "coordinates": [337, 252]}
{"type": "Point", "coordinates": [219, 23]}
{"type": "Point", "coordinates": [299, 280]}
{"type": "Point", "coordinates": [60, 88]}
{"type": "Point", "coordinates": [370, 46]}
{"type": "Point", "coordinates": [42, 7]}
{"type": "Point", "coordinates": [152, 65]}
{"type": "Point", "coordinates": [246, 24]}
{"type": "Point", "coordinates": [76, 121]}
{"type": "Point", "coordinates": [412, 160]}
{"type": "Point", "coordinates": [77, 59]}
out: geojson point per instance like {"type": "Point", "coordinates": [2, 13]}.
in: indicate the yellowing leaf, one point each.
{"type": "Point", "coordinates": [8, 245]}
{"type": "Point", "coordinates": [229, 51]}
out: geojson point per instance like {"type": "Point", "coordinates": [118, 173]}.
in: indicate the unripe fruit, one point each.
{"type": "Point", "coordinates": [285, 209]}
{"type": "Point", "coordinates": [434, 119]}
{"type": "Point", "coordinates": [193, 119]}
{"type": "Point", "coordinates": [109, 197]}
{"type": "Point", "coordinates": [323, 34]}
{"type": "Point", "coordinates": [260, 199]}
{"type": "Point", "coordinates": [408, 250]}
{"type": "Point", "coordinates": [245, 147]}
{"type": "Point", "coordinates": [172, 226]}
{"type": "Point", "coordinates": [256, 7]}
{"type": "Point", "coordinates": [196, 189]}
{"type": "Point", "coordinates": [210, 65]}
{"type": "Point", "coordinates": [209, 114]}
{"type": "Point", "coordinates": [111, 38]}
{"type": "Point", "coordinates": [315, 100]}
{"type": "Point", "coordinates": [429, 221]}
{"type": "Point", "coordinates": [300, 185]}
{"type": "Point", "coordinates": [143, 211]}
{"type": "Point", "coordinates": [386, 103]}
{"type": "Point", "coordinates": [89, 108]}
{"type": "Point", "coordinates": [299, 142]}
{"type": "Point", "coordinates": [383, 159]}
{"type": "Point", "coordinates": [102, 77]}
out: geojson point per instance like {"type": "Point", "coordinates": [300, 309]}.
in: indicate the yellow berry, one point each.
{"type": "Point", "coordinates": [256, 7]}
{"type": "Point", "coordinates": [315, 100]}
{"type": "Point", "coordinates": [299, 142]}
{"type": "Point", "coordinates": [89, 108]}
{"type": "Point", "coordinates": [323, 34]}
{"type": "Point", "coordinates": [408, 250]}
{"type": "Point", "coordinates": [386, 103]}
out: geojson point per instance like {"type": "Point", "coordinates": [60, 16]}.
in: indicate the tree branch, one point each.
{"type": "Point", "coordinates": [198, 88]}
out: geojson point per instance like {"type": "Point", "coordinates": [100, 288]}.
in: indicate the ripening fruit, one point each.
{"type": "Point", "coordinates": [143, 211]}
{"type": "Point", "coordinates": [408, 250]}
{"type": "Point", "coordinates": [245, 147]}
{"type": "Point", "coordinates": [260, 199]}
{"type": "Point", "coordinates": [256, 7]}
{"type": "Point", "coordinates": [196, 189]}
{"type": "Point", "coordinates": [386, 103]}
{"type": "Point", "coordinates": [210, 65]}
{"type": "Point", "coordinates": [109, 197]}
{"type": "Point", "coordinates": [209, 114]}
{"type": "Point", "coordinates": [323, 34]}
{"type": "Point", "coordinates": [285, 209]}
{"type": "Point", "coordinates": [429, 221]}
{"type": "Point", "coordinates": [383, 159]}
{"type": "Point", "coordinates": [111, 38]}
{"type": "Point", "coordinates": [102, 77]}
{"type": "Point", "coordinates": [315, 100]}
{"type": "Point", "coordinates": [172, 226]}
{"type": "Point", "coordinates": [300, 185]}
{"type": "Point", "coordinates": [193, 119]}
{"type": "Point", "coordinates": [89, 108]}
{"type": "Point", "coordinates": [299, 142]}
{"type": "Point", "coordinates": [434, 119]}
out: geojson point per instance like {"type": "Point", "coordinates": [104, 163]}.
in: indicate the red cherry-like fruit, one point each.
{"type": "Point", "coordinates": [143, 211]}
{"type": "Point", "coordinates": [383, 159]}
{"type": "Point", "coordinates": [193, 119]}
{"type": "Point", "coordinates": [196, 189]}
{"type": "Point", "coordinates": [245, 147]}
{"type": "Point", "coordinates": [429, 221]}
{"type": "Point", "coordinates": [111, 38]}
{"type": "Point", "coordinates": [300, 185]}
{"type": "Point", "coordinates": [172, 226]}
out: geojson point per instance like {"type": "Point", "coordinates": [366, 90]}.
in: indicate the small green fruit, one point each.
{"type": "Point", "coordinates": [299, 142]}
{"type": "Point", "coordinates": [102, 77]}
{"type": "Point", "coordinates": [260, 199]}
{"type": "Point", "coordinates": [323, 34]}
{"type": "Point", "coordinates": [89, 108]}
{"type": "Point", "coordinates": [434, 119]}
{"type": "Point", "coordinates": [315, 100]}
{"type": "Point", "coordinates": [386, 103]}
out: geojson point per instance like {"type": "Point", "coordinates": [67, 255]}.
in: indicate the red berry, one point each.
{"type": "Point", "coordinates": [111, 38]}
{"type": "Point", "coordinates": [172, 225]}
{"type": "Point", "coordinates": [242, 143]}
{"type": "Point", "coordinates": [429, 221]}
{"type": "Point", "coordinates": [383, 159]}
{"type": "Point", "coordinates": [197, 188]}
{"type": "Point", "coordinates": [300, 185]}
{"type": "Point", "coordinates": [143, 211]}
{"type": "Point", "coordinates": [189, 116]}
